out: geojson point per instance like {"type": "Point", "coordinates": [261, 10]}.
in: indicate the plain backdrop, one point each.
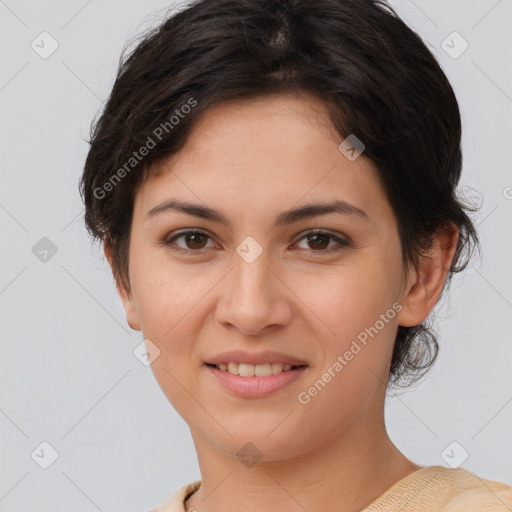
{"type": "Point", "coordinates": [69, 377]}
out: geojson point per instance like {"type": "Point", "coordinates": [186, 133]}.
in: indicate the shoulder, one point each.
{"type": "Point", "coordinates": [176, 503]}
{"type": "Point", "coordinates": [445, 490]}
{"type": "Point", "coordinates": [471, 492]}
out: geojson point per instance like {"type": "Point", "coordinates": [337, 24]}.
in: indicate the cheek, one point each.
{"type": "Point", "coordinates": [161, 283]}
{"type": "Point", "coordinates": [168, 298]}
{"type": "Point", "coordinates": [171, 304]}
{"type": "Point", "coordinates": [358, 323]}
{"type": "Point", "coordinates": [348, 302]}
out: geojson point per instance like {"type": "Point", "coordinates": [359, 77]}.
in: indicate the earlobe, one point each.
{"type": "Point", "coordinates": [132, 316]}
{"type": "Point", "coordinates": [426, 282]}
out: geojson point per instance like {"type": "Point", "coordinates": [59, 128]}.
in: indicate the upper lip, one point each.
{"type": "Point", "coordinates": [239, 356]}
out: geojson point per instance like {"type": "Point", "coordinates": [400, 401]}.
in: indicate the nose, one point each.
{"type": "Point", "coordinates": [253, 298]}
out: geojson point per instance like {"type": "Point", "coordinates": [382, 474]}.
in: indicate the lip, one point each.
{"type": "Point", "coordinates": [255, 387]}
{"type": "Point", "coordinates": [268, 356]}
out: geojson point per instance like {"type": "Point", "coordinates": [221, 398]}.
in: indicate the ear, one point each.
{"type": "Point", "coordinates": [426, 281]}
{"type": "Point", "coordinates": [132, 317]}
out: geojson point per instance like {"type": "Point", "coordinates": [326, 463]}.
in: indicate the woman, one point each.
{"type": "Point", "coordinates": [274, 183]}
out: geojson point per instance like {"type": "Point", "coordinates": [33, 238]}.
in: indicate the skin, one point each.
{"type": "Point", "coordinates": [252, 160]}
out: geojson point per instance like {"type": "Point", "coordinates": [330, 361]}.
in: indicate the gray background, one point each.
{"type": "Point", "coordinates": [68, 373]}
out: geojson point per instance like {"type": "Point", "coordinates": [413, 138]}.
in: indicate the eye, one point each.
{"type": "Point", "coordinates": [193, 240]}
{"type": "Point", "coordinates": [319, 242]}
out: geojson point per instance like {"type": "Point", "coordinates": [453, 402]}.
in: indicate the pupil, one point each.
{"type": "Point", "coordinates": [315, 239]}
{"type": "Point", "coordinates": [191, 237]}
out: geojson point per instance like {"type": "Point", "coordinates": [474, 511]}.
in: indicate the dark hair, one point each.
{"type": "Point", "coordinates": [376, 77]}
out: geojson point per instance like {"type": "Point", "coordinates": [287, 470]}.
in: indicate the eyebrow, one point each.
{"type": "Point", "coordinates": [284, 218]}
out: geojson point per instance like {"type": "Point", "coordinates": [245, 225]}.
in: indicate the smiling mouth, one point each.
{"type": "Point", "coordinates": [254, 370]}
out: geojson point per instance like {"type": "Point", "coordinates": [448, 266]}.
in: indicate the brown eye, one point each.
{"type": "Point", "coordinates": [323, 242]}
{"type": "Point", "coordinates": [193, 241]}
{"type": "Point", "coordinates": [318, 241]}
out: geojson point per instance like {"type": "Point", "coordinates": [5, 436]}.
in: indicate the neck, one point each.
{"type": "Point", "coordinates": [343, 474]}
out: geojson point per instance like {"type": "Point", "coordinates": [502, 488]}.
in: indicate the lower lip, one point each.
{"type": "Point", "coordinates": [255, 387]}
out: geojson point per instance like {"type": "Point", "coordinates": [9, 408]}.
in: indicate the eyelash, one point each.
{"type": "Point", "coordinates": [342, 243]}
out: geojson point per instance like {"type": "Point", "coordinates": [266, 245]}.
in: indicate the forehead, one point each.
{"type": "Point", "coordinates": [251, 154]}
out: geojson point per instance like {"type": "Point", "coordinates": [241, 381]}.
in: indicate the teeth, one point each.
{"type": "Point", "coordinates": [246, 370]}
{"type": "Point", "coordinates": [251, 370]}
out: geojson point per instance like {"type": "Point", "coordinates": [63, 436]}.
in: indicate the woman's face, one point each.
{"type": "Point", "coordinates": [262, 279]}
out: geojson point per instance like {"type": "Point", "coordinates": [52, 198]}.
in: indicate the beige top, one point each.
{"type": "Point", "coordinates": [429, 489]}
